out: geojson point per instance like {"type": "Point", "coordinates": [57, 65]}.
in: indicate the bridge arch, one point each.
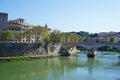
{"type": "Point", "coordinates": [92, 47]}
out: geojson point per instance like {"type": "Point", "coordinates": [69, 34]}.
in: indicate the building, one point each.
{"type": "Point", "coordinates": [106, 36]}
{"type": "Point", "coordinates": [3, 21]}
{"type": "Point", "coordinates": [18, 25]}
{"type": "Point", "coordinates": [19, 28]}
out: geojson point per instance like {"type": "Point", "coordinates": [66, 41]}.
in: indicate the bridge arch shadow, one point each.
{"type": "Point", "coordinates": [80, 48]}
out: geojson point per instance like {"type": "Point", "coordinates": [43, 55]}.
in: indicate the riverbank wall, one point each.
{"type": "Point", "coordinates": [24, 49]}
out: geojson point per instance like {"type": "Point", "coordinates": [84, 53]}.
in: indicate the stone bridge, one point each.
{"type": "Point", "coordinates": [92, 47]}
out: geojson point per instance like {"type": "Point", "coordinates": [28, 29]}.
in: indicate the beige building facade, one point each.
{"type": "Point", "coordinates": [17, 25]}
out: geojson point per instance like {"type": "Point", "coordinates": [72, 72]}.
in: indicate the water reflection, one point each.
{"type": "Point", "coordinates": [44, 69]}
{"type": "Point", "coordinates": [91, 62]}
{"type": "Point", "coordinates": [61, 68]}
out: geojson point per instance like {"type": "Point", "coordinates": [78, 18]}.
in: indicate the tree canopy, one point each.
{"type": "Point", "coordinates": [112, 39]}
{"type": "Point", "coordinates": [41, 35]}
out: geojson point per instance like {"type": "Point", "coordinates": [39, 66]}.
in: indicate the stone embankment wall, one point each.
{"type": "Point", "coordinates": [21, 49]}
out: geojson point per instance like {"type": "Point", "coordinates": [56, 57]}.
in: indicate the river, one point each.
{"type": "Point", "coordinates": [106, 66]}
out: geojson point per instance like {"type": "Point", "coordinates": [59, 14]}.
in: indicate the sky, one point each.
{"type": "Point", "coordinates": [67, 15]}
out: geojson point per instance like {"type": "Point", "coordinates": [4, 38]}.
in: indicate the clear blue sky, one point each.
{"type": "Point", "coordinates": [67, 15]}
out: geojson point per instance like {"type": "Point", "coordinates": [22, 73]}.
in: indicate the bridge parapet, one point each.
{"type": "Point", "coordinates": [93, 45]}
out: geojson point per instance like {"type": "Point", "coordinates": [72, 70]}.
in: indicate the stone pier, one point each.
{"type": "Point", "coordinates": [91, 53]}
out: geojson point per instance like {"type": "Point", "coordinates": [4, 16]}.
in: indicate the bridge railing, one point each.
{"type": "Point", "coordinates": [93, 44]}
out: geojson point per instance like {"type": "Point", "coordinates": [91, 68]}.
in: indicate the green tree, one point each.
{"type": "Point", "coordinates": [28, 34]}
{"type": "Point", "coordinates": [62, 38]}
{"type": "Point", "coordinates": [17, 35]}
{"type": "Point", "coordinates": [109, 48]}
{"type": "Point", "coordinates": [55, 36]}
{"type": "Point", "coordinates": [41, 34]}
{"type": "Point", "coordinates": [6, 35]}
{"type": "Point", "coordinates": [112, 39]}
{"type": "Point", "coordinates": [86, 40]}
{"type": "Point", "coordinates": [71, 38]}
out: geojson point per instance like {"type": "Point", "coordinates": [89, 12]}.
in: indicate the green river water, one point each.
{"type": "Point", "coordinates": [106, 66]}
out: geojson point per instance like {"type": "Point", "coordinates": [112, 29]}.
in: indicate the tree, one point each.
{"type": "Point", "coordinates": [86, 40]}
{"type": "Point", "coordinates": [55, 36]}
{"type": "Point", "coordinates": [6, 35]}
{"type": "Point", "coordinates": [17, 35]}
{"type": "Point", "coordinates": [62, 38]}
{"type": "Point", "coordinates": [28, 34]}
{"type": "Point", "coordinates": [109, 48]}
{"type": "Point", "coordinates": [112, 39]}
{"type": "Point", "coordinates": [71, 38]}
{"type": "Point", "coordinates": [93, 35]}
{"type": "Point", "coordinates": [40, 33]}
